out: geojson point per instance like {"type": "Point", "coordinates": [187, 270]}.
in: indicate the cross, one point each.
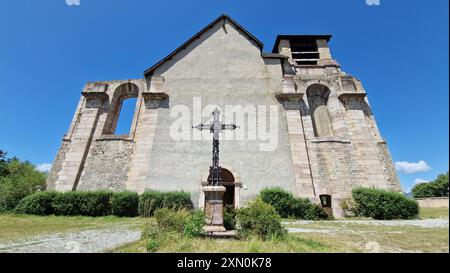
{"type": "Point", "coordinates": [215, 128]}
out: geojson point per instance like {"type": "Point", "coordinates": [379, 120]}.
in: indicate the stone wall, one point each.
{"type": "Point", "coordinates": [433, 202]}
{"type": "Point", "coordinates": [107, 165]}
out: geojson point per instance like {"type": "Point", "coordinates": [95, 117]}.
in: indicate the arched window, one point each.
{"type": "Point", "coordinates": [121, 112]}
{"type": "Point", "coordinates": [318, 100]}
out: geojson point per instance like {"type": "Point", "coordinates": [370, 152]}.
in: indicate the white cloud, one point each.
{"type": "Point", "coordinates": [420, 181]}
{"type": "Point", "coordinates": [44, 167]}
{"type": "Point", "coordinates": [411, 167]}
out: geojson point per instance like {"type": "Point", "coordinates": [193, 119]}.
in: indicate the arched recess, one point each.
{"type": "Point", "coordinates": [232, 183]}
{"type": "Point", "coordinates": [123, 92]}
{"type": "Point", "coordinates": [318, 105]}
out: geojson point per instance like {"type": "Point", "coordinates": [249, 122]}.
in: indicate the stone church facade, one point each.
{"type": "Point", "coordinates": [328, 141]}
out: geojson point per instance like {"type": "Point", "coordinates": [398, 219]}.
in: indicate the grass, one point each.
{"type": "Point", "coordinates": [433, 213]}
{"type": "Point", "coordinates": [176, 244]}
{"type": "Point", "coordinates": [327, 236]}
{"type": "Point", "coordinates": [13, 227]}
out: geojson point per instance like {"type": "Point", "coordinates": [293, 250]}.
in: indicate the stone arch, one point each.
{"type": "Point", "coordinates": [228, 169]}
{"type": "Point", "coordinates": [318, 95]}
{"type": "Point", "coordinates": [123, 92]}
{"type": "Point", "coordinates": [230, 180]}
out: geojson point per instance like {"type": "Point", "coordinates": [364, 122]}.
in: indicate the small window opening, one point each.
{"type": "Point", "coordinates": [325, 200]}
{"type": "Point", "coordinates": [126, 114]}
{"type": "Point", "coordinates": [305, 53]}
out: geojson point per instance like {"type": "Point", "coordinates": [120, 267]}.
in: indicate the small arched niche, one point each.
{"type": "Point", "coordinates": [122, 108]}
{"type": "Point", "coordinates": [318, 105]}
{"type": "Point", "coordinates": [227, 180]}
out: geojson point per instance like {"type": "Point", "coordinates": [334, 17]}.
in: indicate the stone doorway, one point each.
{"type": "Point", "coordinates": [231, 183]}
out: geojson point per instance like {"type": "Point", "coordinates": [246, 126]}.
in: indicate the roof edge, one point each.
{"type": "Point", "coordinates": [198, 34]}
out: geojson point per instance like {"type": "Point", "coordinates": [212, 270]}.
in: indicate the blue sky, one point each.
{"type": "Point", "coordinates": [48, 50]}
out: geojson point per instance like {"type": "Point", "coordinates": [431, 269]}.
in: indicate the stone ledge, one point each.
{"type": "Point", "coordinates": [349, 95]}
{"type": "Point", "coordinates": [114, 137]}
{"type": "Point", "coordinates": [329, 139]}
{"type": "Point", "coordinates": [155, 95]}
{"type": "Point", "coordinates": [95, 95]}
{"type": "Point", "coordinates": [289, 96]}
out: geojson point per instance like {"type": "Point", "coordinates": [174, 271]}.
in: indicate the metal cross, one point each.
{"type": "Point", "coordinates": [215, 128]}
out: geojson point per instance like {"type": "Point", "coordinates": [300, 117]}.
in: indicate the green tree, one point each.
{"type": "Point", "coordinates": [18, 179]}
{"type": "Point", "coordinates": [3, 164]}
{"type": "Point", "coordinates": [436, 188]}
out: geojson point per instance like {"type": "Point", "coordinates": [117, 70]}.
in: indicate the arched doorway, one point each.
{"type": "Point", "coordinates": [228, 181]}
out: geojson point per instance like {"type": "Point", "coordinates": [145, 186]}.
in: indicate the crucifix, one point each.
{"type": "Point", "coordinates": [216, 127]}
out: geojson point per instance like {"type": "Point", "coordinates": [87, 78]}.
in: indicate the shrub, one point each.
{"type": "Point", "coordinates": [290, 207]}
{"type": "Point", "coordinates": [150, 201]}
{"type": "Point", "coordinates": [436, 188]}
{"type": "Point", "coordinates": [193, 226]}
{"type": "Point", "coordinates": [125, 204]}
{"type": "Point", "coordinates": [348, 207]}
{"type": "Point", "coordinates": [67, 204]}
{"type": "Point", "coordinates": [384, 205]}
{"type": "Point", "coordinates": [73, 203]}
{"type": "Point", "coordinates": [40, 203]}
{"type": "Point", "coordinates": [260, 219]}
{"type": "Point", "coordinates": [153, 234]}
{"type": "Point", "coordinates": [171, 220]}
{"type": "Point", "coordinates": [316, 212]}
{"type": "Point", "coordinates": [229, 218]}
{"type": "Point", "coordinates": [95, 203]}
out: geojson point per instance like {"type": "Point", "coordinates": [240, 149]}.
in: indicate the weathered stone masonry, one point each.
{"type": "Point", "coordinates": [328, 140]}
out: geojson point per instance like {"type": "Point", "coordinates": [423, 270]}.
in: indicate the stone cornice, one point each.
{"type": "Point", "coordinates": [349, 95]}
{"type": "Point", "coordinates": [102, 95]}
{"type": "Point", "coordinates": [154, 95]}
{"type": "Point", "coordinates": [292, 97]}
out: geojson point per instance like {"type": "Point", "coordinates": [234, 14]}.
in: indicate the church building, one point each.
{"type": "Point", "coordinates": [303, 124]}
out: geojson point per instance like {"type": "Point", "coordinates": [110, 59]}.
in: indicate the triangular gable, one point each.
{"type": "Point", "coordinates": [224, 17]}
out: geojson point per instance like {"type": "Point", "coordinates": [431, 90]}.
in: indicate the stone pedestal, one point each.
{"type": "Point", "coordinates": [214, 208]}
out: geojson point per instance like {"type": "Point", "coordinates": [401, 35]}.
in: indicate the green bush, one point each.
{"type": "Point", "coordinates": [193, 226]}
{"type": "Point", "coordinates": [384, 205]}
{"type": "Point", "coordinates": [171, 220]}
{"type": "Point", "coordinates": [290, 207]}
{"type": "Point", "coordinates": [40, 203]}
{"type": "Point", "coordinates": [229, 218]}
{"type": "Point", "coordinates": [316, 212]}
{"type": "Point", "coordinates": [154, 235]}
{"type": "Point", "coordinates": [95, 203]}
{"type": "Point", "coordinates": [67, 204]}
{"type": "Point", "coordinates": [260, 219]}
{"type": "Point", "coordinates": [125, 204]}
{"type": "Point", "coordinates": [150, 201]}
{"type": "Point", "coordinates": [436, 188]}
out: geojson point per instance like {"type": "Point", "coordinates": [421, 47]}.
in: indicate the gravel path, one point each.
{"type": "Point", "coordinates": [330, 226]}
{"type": "Point", "coordinates": [86, 241]}
{"type": "Point", "coordinates": [428, 223]}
